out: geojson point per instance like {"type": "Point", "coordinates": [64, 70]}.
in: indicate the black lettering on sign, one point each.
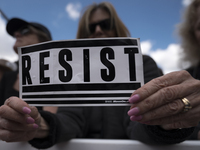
{"type": "Point", "coordinates": [107, 74]}
{"type": "Point", "coordinates": [86, 65]}
{"type": "Point", "coordinates": [131, 52]}
{"type": "Point", "coordinates": [64, 56]}
{"type": "Point", "coordinates": [26, 66]}
{"type": "Point", "coordinates": [44, 67]}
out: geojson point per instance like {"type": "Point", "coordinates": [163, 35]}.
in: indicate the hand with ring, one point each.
{"type": "Point", "coordinates": [171, 101]}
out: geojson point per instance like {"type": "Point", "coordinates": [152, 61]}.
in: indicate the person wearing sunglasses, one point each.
{"type": "Point", "coordinates": [25, 33]}
{"type": "Point", "coordinates": [100, 22]}
{"type": "Point", "coordinates": [43, 129]}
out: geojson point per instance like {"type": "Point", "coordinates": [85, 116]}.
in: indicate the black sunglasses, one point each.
{"type": "Point", "coordinates": [24, 30]}
{"type": "Point", "coordinates": [104, 24]}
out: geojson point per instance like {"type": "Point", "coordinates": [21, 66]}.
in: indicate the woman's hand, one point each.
{"type": "Point", "coordinates": [159, 102]}
{"type": "Point", "coordinates": [20, 122]}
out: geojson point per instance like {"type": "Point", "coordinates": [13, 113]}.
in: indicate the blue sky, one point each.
{"type": "Point", "coordinates": [153, 21]}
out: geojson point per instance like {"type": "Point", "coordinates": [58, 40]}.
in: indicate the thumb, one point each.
{"type": "Point", "coordinates": [35, 114]}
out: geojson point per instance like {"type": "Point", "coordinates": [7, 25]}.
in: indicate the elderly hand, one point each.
{"type": "Point", "coordinates": [20, 122]}
{"type": "Point", "coordinates": [159, 102]}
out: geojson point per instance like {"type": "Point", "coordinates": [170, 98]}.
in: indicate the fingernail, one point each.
{"type": "Point", "coordinates": [134, 98]}
{"type": "Point", "coordinates": [35, 126]}
{"type": "Point", "coordinates": [133, 112]}
{"type": "Point", "coordinates": [26, 110]}
{"type": "Point", "coordinates": [30, 120]}
{"type": "Point", "coordinates": [135, 118]}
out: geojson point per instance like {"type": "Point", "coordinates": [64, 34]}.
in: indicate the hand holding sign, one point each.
{"type": "Point", "coordinates": [20, 122]}
{"type": "Point", "coordinates": [159, 101]}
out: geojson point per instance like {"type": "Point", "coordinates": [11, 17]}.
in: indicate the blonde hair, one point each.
{"type": "Point", "coordinates": [119, 27]}
{"type": "Point", "coordinates": [189, 43]}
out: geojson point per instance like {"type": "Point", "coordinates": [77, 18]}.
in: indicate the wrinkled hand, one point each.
{"type": "Point", "coordinates": [159, 101]}
{"type": "Point", "coordinates": [19, 121]}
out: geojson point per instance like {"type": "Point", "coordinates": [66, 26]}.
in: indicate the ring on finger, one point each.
{"type": "Point", "coordinates": [187, 104]}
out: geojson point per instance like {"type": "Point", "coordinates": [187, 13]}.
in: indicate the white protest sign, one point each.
{"type": "Point", "coordinates": [83, 72]}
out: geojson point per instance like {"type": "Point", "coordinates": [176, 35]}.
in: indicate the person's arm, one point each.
{"type": "Point", "coordinates": [153, 134]}
{"type": "Point", "coordinates": [164, 98]}
{"type": "Point", "coordinates": [20, 122]}
{"type": "Point", "coordinates": [68, 123]}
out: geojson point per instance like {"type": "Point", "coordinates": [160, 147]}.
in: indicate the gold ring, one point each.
{"type": "Point", "coordinates": [187, 104]}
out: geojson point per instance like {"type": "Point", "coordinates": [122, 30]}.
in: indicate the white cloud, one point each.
{"type": "Point", "coordinates": [6, 42]}
{"type": "Point", "coordinates": [167, 59]}
{"type": "Point", "coordinates": [186, 2]}
{"type": "Point", "coordinates": [146, 47]}
{"type": "Point", "coordinates": [73, 10]}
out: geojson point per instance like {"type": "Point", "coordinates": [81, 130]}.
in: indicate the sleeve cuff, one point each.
{"type": "Point", "coordinates": [169, 136]}
{"type": "Point", "coordinates": [51, 139]}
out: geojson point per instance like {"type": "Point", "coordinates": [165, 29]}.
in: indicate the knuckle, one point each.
{"type": "Point", "coordinates": [149, 104]}
{"type": "Point", "coordinates": [146, 91]}
{"type": "Point", "coordinates": [34, 112]}
{"type": "Point", "coordinates": [6, 136]}
{"type": "Point", "coordinates": [195, 85]}
{"type": "Point", "coordinates": [8, 101]}
{"type": "Point", "coordinates": [2, 110]}
{"type": "Point", "coordinates": [184, 74]}
{"type": "Point", "coordinates": [174, 107]}
{"type": "Point", "coordinates": [11, 101]}
{"type": "Point", "coordinates": [33, 109]}
{"type": "Point", "coordinates": [29, 136]}
{"type": "Point", "coordinates": [5, 124]}
{"type": "Point", "coordinates": [153, 115]}
{"type": "Point", "coordinates": [168, 94]}
{"type": "Point", "coordinates": [160, 83]}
